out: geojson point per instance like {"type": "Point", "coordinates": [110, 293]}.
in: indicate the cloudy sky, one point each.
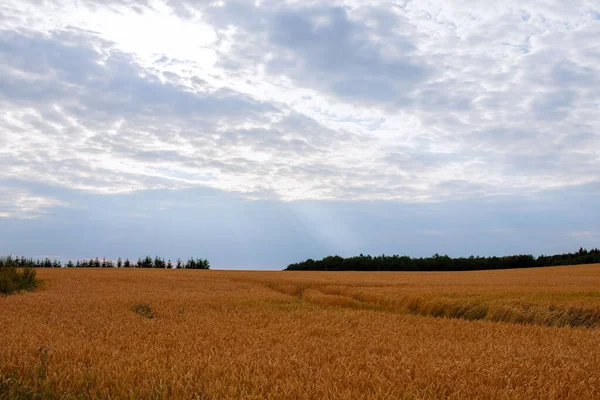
{"type": "Point", "coordinates": [257, 134]}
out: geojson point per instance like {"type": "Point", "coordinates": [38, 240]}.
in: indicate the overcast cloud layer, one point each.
{"type": "Point", "coordinates": [408, 102]}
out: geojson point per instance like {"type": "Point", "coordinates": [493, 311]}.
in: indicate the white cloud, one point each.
{"type": "Point", "coordinates": [23, 204]}
{"type": "Point", "coordinates": [416, 101]}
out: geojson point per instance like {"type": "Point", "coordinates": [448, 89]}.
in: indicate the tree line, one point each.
{"type": "Point", "coordinates": [443, 263]}
{"type": "Point", "coordinates": [146, 262]}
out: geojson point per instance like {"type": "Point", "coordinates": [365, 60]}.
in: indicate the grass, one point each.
{"type": "Point", "coordinates": [308, 335]}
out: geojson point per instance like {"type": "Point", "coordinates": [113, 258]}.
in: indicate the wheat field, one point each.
{"type": "Point", "coordinates": [161, 334]}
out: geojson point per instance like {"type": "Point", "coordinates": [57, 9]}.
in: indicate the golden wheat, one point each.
{"type": "Point", "coordinates": [305, 335]}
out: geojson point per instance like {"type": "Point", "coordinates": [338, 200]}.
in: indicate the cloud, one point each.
{"type": "Point", "coordinates": [361, 55]}
{"type": "Point", "coordinates": [325, 49]}
{"type": "Point", "coordinates": [417, 101]}
{"type": "Point", "coordinates": [22, 203]}
{"type": "Point", "coordinates": [106, 124]}
{"type": "Point", "coordinates": [487, 86]}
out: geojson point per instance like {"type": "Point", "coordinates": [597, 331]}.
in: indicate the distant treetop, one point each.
{"type": "Point", "coordinates": [146, 262]}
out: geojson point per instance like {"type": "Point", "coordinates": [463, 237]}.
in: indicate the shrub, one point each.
{"type": "Point", "coordinates": [7, 281]}
{"type": "Point", "coordinates": [143, 310]}
{"type": "Point", "coordinates": [14, 279]}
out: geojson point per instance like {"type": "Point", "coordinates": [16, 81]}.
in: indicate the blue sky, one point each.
{"type": "Point", "coordinates": [257, 134]}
